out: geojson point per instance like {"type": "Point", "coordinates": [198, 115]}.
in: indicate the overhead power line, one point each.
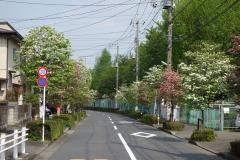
{"type": "Point", "coordinates": [100, 21]}
{"type": "Point", "coordinates": [67, 5]}
{"type": "Point", "coordinates": [183, 8]}
{"type": "Point", "coordinates": [57, 13]}
{"type": "Point", "coordinates": [71, 15]}
{"type": "Point", "coordinates": [214, 18]}
{"type": "Point", "coordinates": [104, 33]}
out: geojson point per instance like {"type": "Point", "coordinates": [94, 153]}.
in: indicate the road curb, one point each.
{"type": "Point", "coordinates": [223, 155]}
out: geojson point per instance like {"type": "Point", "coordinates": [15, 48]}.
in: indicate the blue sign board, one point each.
{"type": "Point", "coordinates": [42, 82]}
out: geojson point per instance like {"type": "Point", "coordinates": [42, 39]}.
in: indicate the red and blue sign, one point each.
{"type": "Point", "coordinates": [42, 73]}
{"type": "Point", "coordinates": [42, 82]}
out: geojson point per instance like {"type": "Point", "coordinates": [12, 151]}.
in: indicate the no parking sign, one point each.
{"type": "Point", "coordinates": [42, 73]}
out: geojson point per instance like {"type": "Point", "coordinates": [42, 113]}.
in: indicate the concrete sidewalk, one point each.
{"type": "Point", "coordinates": [221, 145]}
{"type": "Point", "coordinates": [33, 148]}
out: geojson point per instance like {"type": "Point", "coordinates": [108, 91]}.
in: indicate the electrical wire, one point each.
{"type": "Point", "coordinates": [66, 5]}
{"type": "Point", "coordinates": [57, 13]}
{"type": "Point", "coordinates": [88, 25]}
{"type": "Point", "coordinates": [214, 18]}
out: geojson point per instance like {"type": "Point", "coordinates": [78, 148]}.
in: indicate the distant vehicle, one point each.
{"type": "Point", "coordinates": [237, 121]}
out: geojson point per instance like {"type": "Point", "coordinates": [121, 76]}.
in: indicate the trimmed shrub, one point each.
{"type": "Point", "coordinates": [53, 129]}
{"type": "Point", "coordinates": [111, 110]}
{"type": "Point", "coordinates": [173, 126]}
{"type": "Point", "coordinates": [235, 147]}
{"type": "Point", "coordinates": [78, 116]}
{"type": "Point", "coordinates": [134, 115]}
{"type": "Point", "coordinates": [203, 135]}
{"type": "Point", "coordinates": [149, 119]}
{"type": "Point", "coordinates": [68, 120]}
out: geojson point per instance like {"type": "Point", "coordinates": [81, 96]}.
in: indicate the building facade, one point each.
{"type": "Point", "coordinates": [11, 82]}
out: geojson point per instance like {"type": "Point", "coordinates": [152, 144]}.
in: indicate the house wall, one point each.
{"type": "Point", "coordinates": [3, 57]}
{"type": "Point", "coordinates": [12, 45]}
{"type": "Point", "coordinates": [3, 67]}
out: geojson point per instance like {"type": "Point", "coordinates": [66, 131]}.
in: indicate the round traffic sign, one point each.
{"type": "Point", "coordinates": [42, 82]}
{"type": "Point", "coordinates": [42, 71]}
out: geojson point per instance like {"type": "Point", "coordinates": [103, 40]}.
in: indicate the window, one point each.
{"type": "Point", "coordinates": [14, 54]}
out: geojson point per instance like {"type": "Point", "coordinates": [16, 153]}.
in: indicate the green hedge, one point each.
{"type": "Point", "coordinates": [53, 127]}
{"type": "Point", "coordinates": [203, 135]}
{"type": "Point", "coordinates": [78, 116]}
{"type": "Point", "coordinates": [111, 110]}
{"type": "Point", "coordinates": [235, 147]}
{"type": "Point", "coordinates": [68, 120]}
{"type": "Point", "coordinates": [173, 126]}
{"type": "Point", "coordinates": [134, 115]}
{"type": "Point", "coordinates": [149, 119]}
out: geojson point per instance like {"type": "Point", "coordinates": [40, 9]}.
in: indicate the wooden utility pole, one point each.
{"type": "Point", "coordinates": [137, 51]}
{"type": "Point", "coordinates": [117, 78]}
{"type": "Point", "coordinates": [137, 60]}
{"type": "Point", "coordinates": [170, 28]}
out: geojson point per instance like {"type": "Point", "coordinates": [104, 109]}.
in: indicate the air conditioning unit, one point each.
{"type": "Point", "coordinates": [167, 4]}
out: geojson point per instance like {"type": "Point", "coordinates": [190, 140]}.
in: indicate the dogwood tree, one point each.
{"type": "Point", "coordinates": [171, 89]}
{"type": "Point", "coordinates": [204, 75]}
{"type": "Point", "coordinates": [153, 76]}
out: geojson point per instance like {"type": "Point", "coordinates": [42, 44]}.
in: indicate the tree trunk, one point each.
{"type": "Point", "coordinates": [202, 119]}
{"type": "Point", "coordinates": [172, 111]}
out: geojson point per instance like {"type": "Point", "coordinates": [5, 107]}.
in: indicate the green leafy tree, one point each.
{"type": "Point", "coordinates": [43, 46]}
{"type": "Point", "coordinates": [195, 20]}
{"type": "Point", "coordinates": [204, 75]}
{"type": "Point", "coordinates": [77, 92]}
{"type": "Point", "coordinates": [104, 74]}
{"type": "Point", "coordinates": [129, 94]}
{"type": "Point", "coordinates": [127, 73]}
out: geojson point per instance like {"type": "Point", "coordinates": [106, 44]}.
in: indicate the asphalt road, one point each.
{"type": "Point", "coordinates": [106, 136]}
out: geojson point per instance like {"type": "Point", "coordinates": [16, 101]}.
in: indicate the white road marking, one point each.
{"type": "Point", "coordinates": [126, 122]}
{"type": "Point", "coordinates": [115, 127]}
{"type": "Point", "coordinates": [144, 135]}
{"type": "Point", "coordinates": [112, 122]}
{"type": "Point", "coordinates": [130, 153]}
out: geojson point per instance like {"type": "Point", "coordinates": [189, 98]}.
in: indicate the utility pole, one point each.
{"type": "Point", "coordinates": [170, 28]}
{"type": "Point", "coordinates": [137, 60]}
{"type": "Point", "coordinates": [137, 51]}
{"type": "Point", "coordinates": [117, 78]}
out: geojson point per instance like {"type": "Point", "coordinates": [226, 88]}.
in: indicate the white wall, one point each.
{"type": "Point", "coordinates": [3, 58]}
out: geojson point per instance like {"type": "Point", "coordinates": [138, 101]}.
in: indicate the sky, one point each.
{"type": "Point", "coordinates": [90, 25]}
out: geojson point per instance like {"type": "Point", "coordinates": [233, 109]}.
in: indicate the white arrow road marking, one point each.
{"type": "Point", "coordinates": [144, 135]}
{"type": "Point", "coordinates": [130, 153]}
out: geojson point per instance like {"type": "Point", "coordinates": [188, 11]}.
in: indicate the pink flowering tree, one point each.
{"type": "Point", "coordinates": [171, 89]}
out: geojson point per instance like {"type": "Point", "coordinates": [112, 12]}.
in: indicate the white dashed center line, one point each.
{"type": "Point", "coordinates": [115, 127]}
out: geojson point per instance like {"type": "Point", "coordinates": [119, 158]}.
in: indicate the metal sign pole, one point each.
{"type": "Point", "coordinates": [43, 128]}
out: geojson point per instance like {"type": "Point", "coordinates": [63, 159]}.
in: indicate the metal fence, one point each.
{"type": "Point", "coordinates": [13, 141]}
{"type": "Point", "coordinates": [219, 116]}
